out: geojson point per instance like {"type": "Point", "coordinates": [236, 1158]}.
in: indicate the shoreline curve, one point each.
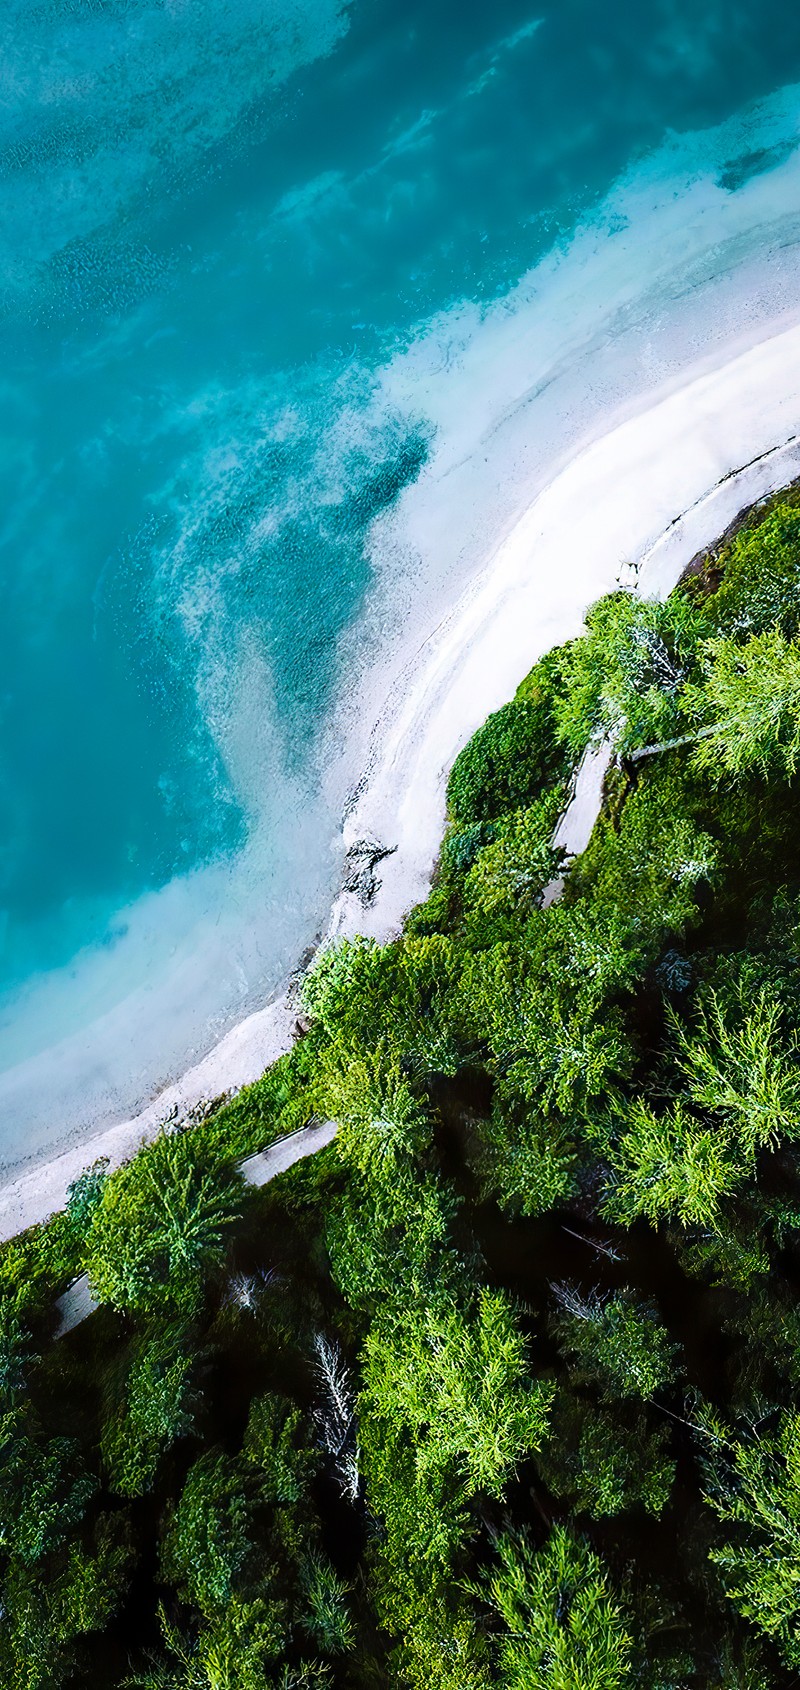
{"type": "Point", "coordinates": [631, 508]}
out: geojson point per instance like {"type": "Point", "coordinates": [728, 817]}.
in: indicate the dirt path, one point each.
{"type": "Point", "coordinates": [77, 1302]}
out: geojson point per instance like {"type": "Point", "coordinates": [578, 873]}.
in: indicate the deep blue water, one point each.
{"type": "Point", "coordinates": [251, 253]}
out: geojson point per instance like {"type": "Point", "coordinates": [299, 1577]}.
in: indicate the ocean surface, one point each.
{"type": "Point", "coordinates": [301, 301]}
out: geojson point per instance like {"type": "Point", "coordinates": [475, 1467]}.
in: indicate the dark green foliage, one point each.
{"type": "Point", "coordinates": [61, 1578]}
{"type": "Point", "coordinates": [733, 1255]}
{"type": "Point", "coordinates": [84, 1196]}
{"type": "Point", "coordinates": [511, 759]}
{"type": "Point", "coordinates": [47, 1619]}
{"type": "Point", "coordinates": [759, 587]}
{"type": "Point", "coordinates": [274, 1444]}
{"type": "Point", "coordinates": [44, 1486]}
{"type": "Point", "coordinates": [326, 1619]}
{"type": "Point", "coordinates": [526, 1159]}
{"type": "Point", "coordinates": [605, 1460]}
{"type": "Point", "coordinates": [149, 1408]}
{"type": "Point", "coordinates": [644, 875]}
{"type": "Point", "coordinates": [208, 1540]}
{"type": "Point", "coordinates": [411, 1222]}
{"type": "Point", "coordinates": [499, 1392]}
{"type": "Point", "coordinates": [461, 846]}
{"type": "Point", "coordinates": [755, 1489]}
{"type": "Point", "coordinates": [508, 876]}
{"type": "Point", "coordinates": [44, 1493]}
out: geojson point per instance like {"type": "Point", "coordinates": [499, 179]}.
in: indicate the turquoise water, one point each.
{"type": "Point", "coordinates": [267, 272]}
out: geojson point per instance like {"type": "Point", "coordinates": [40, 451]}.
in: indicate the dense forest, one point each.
{"type": "Point", "coordinates": [501, 1388]}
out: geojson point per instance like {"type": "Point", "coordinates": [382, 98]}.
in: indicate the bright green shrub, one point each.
{"type": "Point", "coordinates": [160, 1225]}
{"type": "Point", "coordinates": [625, 678]}
{"type": "Point", "coordinates": [749, 708]}
{"type": "Point", "coordinates": [274, 1105]}
{"type": "Point", "coordinates": [448, 1408]}
{"type": "Point", "coordinates": [563, 1628]}
{"type": "Point", "coordinates": [669, 1164]}
{"type": "Point", "coordinates": [229, 1652]}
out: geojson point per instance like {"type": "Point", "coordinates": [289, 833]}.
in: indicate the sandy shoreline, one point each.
{"type": "Point", "coordinates": [651, 492]}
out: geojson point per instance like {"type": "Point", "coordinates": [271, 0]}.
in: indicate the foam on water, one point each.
{"type": "Point", "coordinates": [289, 444]}
{"type": "Point", "coordinates": [671, 270]}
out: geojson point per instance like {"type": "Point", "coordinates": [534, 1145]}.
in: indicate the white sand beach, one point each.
{"type": "Point", "coordinates": [633, 506]}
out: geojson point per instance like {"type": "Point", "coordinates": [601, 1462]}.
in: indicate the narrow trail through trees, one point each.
{"type": "Point", "coordinates": [77, 1303]}
{"type": "Point", "coordinates": [572, 836]}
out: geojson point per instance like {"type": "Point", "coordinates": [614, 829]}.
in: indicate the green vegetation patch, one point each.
{"type": "Point", "coordinates": [500, 1391]}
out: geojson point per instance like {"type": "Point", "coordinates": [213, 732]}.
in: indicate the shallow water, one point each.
{"type": "Point", "coordinates": [300, 303]}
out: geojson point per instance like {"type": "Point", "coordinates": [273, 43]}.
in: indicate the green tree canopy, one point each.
{"type": "Point", "coordinates": [160, 1224]}
{"type": "Point", "coordinates": [209, 1538]}
{"type": "Point", "coordinates": [616, 1340]}
{"type": "Point", "coordinates": [460, 1384]}
{"type": "Point", "coordinates": [749, 707]}
{"type": "Point", "coordinates": [760, 584]}
{"type": "Point", "coordinates": [564, 1629]}
{"type": "Point", "coordinates": [625, 679]}
{"type": "Point", "coordinates": [755, 1490]}
{"type": "Point", "coordinates": [151, 1407]}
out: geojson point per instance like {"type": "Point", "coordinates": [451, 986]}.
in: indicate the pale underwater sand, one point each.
{"type": "Point", "coordinates": [652, 491]}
